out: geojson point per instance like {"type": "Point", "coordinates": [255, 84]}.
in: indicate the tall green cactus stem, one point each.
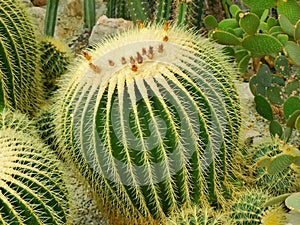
{"type": "Point", "coordinates": [89, 14]}
{"type": "Point", "coordinates": [196, 12]}
{"type": "Point", "coordinates": [163, 11]}
{"type": "Point", "coordinates": [150, 119]}
{"type": "Point", "coordinates": [50, 18]}
{"type": "Point", "coordinates": [139, 10]}
{"type": "Point", "coordinates": [20, 81]}
{"type": "Point", "coordinates": [32, 187]}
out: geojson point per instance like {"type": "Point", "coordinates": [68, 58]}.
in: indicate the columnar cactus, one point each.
{"type": "Point", "coordinates": [20, 81]}
{"type": "Point", "coordinates": [150, 119]}
{"type": "Point", "coordinates": [32, 188]}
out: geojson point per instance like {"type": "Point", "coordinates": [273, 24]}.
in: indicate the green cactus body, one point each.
{"type": "Point", "coordinates": [55, 58]}
{"type": "Point", "coordinates": [282, 182]}
{"type": "Point", "coordinates": [248, 207]}
{"type": "Point", "coordinates": [151, 120]}
{"type": "Point", "coordinates": [20, 81]}
{"type": "Point", "coordinates": [32, 188]}
{"type": "Point", "coordinates": [199, 216]}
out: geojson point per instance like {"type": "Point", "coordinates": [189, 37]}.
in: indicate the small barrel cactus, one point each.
{"type": "Point", "coordinates": [248, 207]}
{"type": "Point", "coordinates": [151, 119]}
{"type": "Point", "coordinates": [55, 58]}
{"type": "Point", "coordinates": [20, 79]}
{"type": "Point", "coordinates": [32, 185]}
{"type": "Point", "coordinates": [281, 182]}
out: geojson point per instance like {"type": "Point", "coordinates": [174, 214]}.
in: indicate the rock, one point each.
{"type": "Point", "coordinates": [39, 2]}
{"type": "Point", "coordinates": [254, 129]}
{"type": "Point", "coordinates": [26, 3]}
{"type": "Point", "coordinates": [108, 26]}
{"type": "Point", "coordinates": [74, 8]}
{"type": "Point", "coordinates": [293, 218]}
{"type": "Point", "coordinates": [38, 15]}
{"type": "Point", "coordinates": [246, 97]}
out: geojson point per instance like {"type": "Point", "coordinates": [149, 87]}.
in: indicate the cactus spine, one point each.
{"type": "Point", "coordinates": [20, 81]}
{"type": "Point", "coordinates": [32, 188]}
{"type": "Point", "coordinates": [150, 119]}
{"type": "Point", "coordinates": [274, 216]}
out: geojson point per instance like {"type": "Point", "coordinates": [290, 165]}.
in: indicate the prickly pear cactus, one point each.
{"type": "Point", "coordinates": [32, 187]}
{"type": "Point", "coordinates": [20, 81]}
{"type": "Point", "coordinates": [150, 119]}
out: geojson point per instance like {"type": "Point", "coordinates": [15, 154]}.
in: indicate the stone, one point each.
{"type": "Point", "coordinates": [293, 218]}
{"type": "Point", "coordinates": [26, 3]}
{"type": "Point", "coordinates": [39, 2]}
{"type": "Point", "coordinates": [74, 8]}
{"type": "Point", "coordinates": [108, 26]}
{"type": "Point", "coordinates": [38, 15]}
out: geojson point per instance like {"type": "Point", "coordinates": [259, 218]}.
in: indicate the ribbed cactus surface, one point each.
{"type": "Point", "coordinates": [55, 58]}
{"type": "Point", "coordinates": [20, 82]}
{"type": "Point", "coordinates": [32, 188]}
{"type": "Point", "coordinates": [150, 119]}
{"type": "Point", "coordinates": [199, 216]}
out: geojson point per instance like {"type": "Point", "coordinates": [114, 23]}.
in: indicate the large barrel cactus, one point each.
{"type": "Point", "coordinates": [32, 188]}
{"type": "Point", "coordinates": [150, 118]}
{"type": "Point", "coordinates": [20, 80]}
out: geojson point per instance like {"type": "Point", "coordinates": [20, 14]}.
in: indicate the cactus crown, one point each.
{"type": "Point", "coordinates": [152, 117]}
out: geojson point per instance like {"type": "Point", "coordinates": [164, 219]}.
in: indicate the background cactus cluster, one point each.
{"type": "Point", "coordinates": [150, 119]}
{"type": "Point", "coordinates": [182, 12]}
{"type": "Point", "coordinates": [256, 36]}
{"type": "Point", "coordinates": [277, 97]}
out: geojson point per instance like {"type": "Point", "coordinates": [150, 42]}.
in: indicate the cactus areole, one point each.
{"type": "Point", "coordinates": [150, 118]}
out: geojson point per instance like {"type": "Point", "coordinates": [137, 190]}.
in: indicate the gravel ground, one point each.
{"type": "Point", "coordinates": [84, 208]}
